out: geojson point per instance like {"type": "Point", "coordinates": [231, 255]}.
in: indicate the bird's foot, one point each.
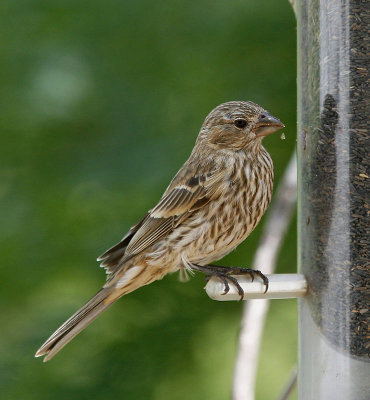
{"type": "Point", "coordinates": [243, 271]}
{"type": "Point", "coordinates": [224, 274]}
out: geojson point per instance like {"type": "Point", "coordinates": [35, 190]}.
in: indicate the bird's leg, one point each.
{"type": "Point", "coordinates": [224, 274]}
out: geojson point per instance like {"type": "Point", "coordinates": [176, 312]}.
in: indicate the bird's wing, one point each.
{"type": "Point", "coordinates": [110, 258]}
{"type": "Point", "coordinates": [184, 196]}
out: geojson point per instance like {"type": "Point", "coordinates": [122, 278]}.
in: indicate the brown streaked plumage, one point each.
{"type": "Point", "coordinates": [212, 204]}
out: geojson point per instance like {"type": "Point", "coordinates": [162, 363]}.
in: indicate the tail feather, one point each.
{"type": "Point", "coordinates": [133, 277]}
{"type": "Point", "coordinates": [74, 325]}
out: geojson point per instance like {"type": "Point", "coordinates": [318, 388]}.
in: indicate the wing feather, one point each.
{"type": "Point", "coordinates": [153, 230]}
{"type": "Point", "coordinates": [164, 217]}
{"type": "Point", "coordinates": [182, 197]}
{"type": "Point", "coordinates": [178, 201]}
{"type": "Point", "coordinates": [111, 258]}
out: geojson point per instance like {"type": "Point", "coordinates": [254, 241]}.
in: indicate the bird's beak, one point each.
{"type": "Point", "coordinates": [267, 124]}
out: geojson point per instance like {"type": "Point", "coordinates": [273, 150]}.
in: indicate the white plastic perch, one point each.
{"type": "Point", "coordinates": [281, 286]}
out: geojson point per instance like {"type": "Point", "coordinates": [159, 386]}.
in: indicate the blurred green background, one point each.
{"type": "Point", "coordinates": [101, 102]}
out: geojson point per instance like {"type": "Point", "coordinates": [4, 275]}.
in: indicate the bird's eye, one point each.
{"type": "Point", "coordinates": [240, 123]}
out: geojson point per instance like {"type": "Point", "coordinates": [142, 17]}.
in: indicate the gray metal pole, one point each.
{"type": "Point", "coordinates": [333, 179]}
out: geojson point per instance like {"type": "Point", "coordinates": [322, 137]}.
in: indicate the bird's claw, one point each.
{"type": "Point", "coordinates": [252, 273]}
{"type": "Point", "coordinates": [224, 274]}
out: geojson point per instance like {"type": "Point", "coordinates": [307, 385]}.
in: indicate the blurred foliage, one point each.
{"type": "Point", "coordinates": [101, 102]}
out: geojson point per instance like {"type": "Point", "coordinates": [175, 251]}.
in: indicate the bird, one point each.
{"type": "Point", "coordinates": [212, 204]}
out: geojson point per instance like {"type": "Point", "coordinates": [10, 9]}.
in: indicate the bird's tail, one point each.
{"type": "Point", "coordinates": [79, 321]}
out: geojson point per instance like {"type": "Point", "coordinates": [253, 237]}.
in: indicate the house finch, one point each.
{"type": "Point", "coordinates": [212, 204]}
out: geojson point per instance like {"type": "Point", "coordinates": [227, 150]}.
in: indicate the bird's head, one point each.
{"type": "Point", "coordinates": [237, 125]}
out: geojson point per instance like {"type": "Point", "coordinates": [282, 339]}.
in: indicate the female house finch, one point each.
{"type": "Point", "coordinates": [212, 204]}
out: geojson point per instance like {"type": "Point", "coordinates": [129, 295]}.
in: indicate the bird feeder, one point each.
{"type": "Point", "coordinates": [333, 217]}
